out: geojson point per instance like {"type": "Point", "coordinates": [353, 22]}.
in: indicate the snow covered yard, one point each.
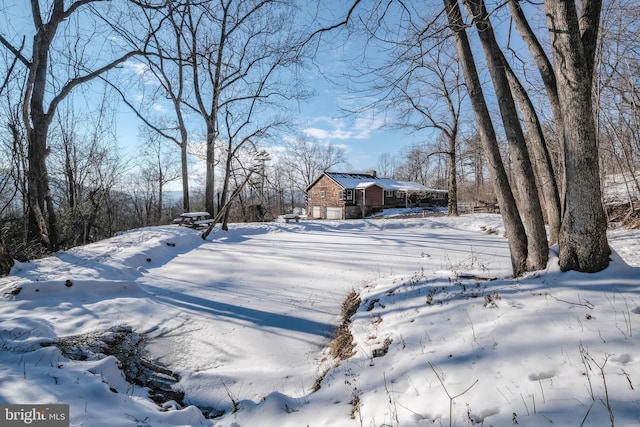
{"type": "Point", "coordinates": [244, 319]}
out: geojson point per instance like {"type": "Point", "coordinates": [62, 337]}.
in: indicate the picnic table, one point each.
{"type": "Point", "coordinates": [289, 217]}
{"type": "Point", "coordinates": [194, 219]}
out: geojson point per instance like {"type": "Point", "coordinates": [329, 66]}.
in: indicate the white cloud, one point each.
{"type": "Point", "coordinates": [141, 71]}
{"type": "Point", "coordinates": [339, 129]}
{"type": "Point", "coordinates": [137, 67]}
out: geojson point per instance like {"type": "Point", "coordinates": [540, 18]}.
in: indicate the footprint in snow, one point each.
{"type": "Point", "coordinates": [623, 359]}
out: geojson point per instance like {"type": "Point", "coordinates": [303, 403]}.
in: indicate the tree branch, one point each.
{"type": "Point", "coordinates": [16, 52]}
{"type": "Point", "coordinates": [71, 84]}
{"type": "Point", "coordinates": [334, 26]}
{"type": "Point", "coordinates": [10, 70]}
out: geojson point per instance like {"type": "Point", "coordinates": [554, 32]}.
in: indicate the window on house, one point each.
{"type": "Point", "coordinates": [323, 194]}
{"type": "Point", "coordinates": [388, 193]}
{"type": "Point", "coordinates": [349, 194]}
{"type": "Point", "coordinates": [340, 195]}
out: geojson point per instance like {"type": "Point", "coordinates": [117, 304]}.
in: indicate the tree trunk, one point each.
{"type": "Point", "coordinates": [209, 189]}
{"type": "Point", "coordinates": [583, 233]}
{"type": "Point", "coordinates": [513, 225]}
{"type": "Point", "coordinates": [226, 183]}
{"type": "Point", "coordinates": [453, 177]}
{"type": "Point", "coordinates": [223, 210]}
{"type": "Point", "coordinates": [42, 217]}
{"type": "Point", "coordinates": [160, 197]}
{"type": "Point", "coordinates": [6, 262]}
{"type": "Point", "coordinates": [186, 202]}
{"type": "Point", "coordinates": [537, 246]}
{"type": "Point", "coordinates": [545, 68]}
{"type": "Point", "coordinates": [543, 166]}
{"type": "Point", "coordinates": [37, 118]}
{"type": "Point", "coordinates": [38, 181]}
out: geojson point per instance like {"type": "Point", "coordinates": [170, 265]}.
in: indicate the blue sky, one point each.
{"type": "Point", "coordinates": [364, 136]}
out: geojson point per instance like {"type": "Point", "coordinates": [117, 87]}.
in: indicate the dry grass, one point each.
{"type": "Point", "coordinates": [350, 305]}
{"type": "Point", "coordinates": [341, 347]}
{"type": "Point", "coordinates": [342, 344]}
{"type": "Point", "coordinates": [625, 214]}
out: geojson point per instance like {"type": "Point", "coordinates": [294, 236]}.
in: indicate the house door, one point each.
{"type": "Point", "coordinates": [334, 213]}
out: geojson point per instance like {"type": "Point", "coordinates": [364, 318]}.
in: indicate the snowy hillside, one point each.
{"type": "Point", "coordinates": [236, 330]}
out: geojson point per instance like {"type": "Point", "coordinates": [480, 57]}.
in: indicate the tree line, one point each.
{"type": "Point", "coordinates": [217, 80]}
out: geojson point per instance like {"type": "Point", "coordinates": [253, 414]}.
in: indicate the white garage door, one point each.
{"type": "Point", "coordinates": [334, 213]}
{"type": "Point", "coordinates": [315, 211]}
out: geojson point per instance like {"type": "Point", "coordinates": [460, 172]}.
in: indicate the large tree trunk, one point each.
{"type": "Point", "coordinates": [583, 233]}
{"type": "Point", "coordinates": [545, 68]}
{"type": "Point", "coordinates": [543, 166]}
{"type": "Point", "coordinates": [538, 248]}
{"type": "Point", "coordinates": [42, 218]}
{"type": "Point", "coordinates": [513, 225]}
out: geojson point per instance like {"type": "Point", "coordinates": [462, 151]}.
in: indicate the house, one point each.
{"type": "Point", "coordinates": [335, 195]}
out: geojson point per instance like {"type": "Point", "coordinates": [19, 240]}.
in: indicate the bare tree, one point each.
{"type": "Point", "coordinates": [159, 166]}
{"type": "Point", "coordinates": [14, 209]}
{"type": "Point", "coordinates": [254, 165]}
{"type": "Point", "coordinates": [240, 53]}
{"type": "Point", "coordinates": [86, 169]}
{"type": "Point", "coordinates": [386, 165]}
{"type": "Point", "coordinates": [306, 158]}
{"type": "Point", "coordinates": [49, 81]}
{"type": "Point", "coordinates": [6, 260]}
{"type": "Point", "coordinates": [568, 82]}
{"type": "Point", "coordinates": [416, 165]}
{"type": "Point", "coordinates": [163, 64]}
{"type": "Point", "coordinates": [433, 88]}
{"type": "Point", "coordinates": [6, 184]}
{"type": "Point", "coordinates": [417, 82]}
{"type": "Point", "coordinates": [583, 233]}
{"type": "Point", "coordinates": [537, 246]}
{"type": "Point", "coordinates": [513, 224]}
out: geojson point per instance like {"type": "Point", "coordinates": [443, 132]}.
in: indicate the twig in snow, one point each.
{"type": "Point", "coordinates": [451, 398]}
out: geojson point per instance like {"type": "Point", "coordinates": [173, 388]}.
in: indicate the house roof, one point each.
{"type": "Point", "coordinates": [363, 180]}
{"type": "Point", "coordinates": [352, 180]}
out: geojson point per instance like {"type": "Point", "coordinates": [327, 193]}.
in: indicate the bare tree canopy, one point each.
{"type": "Point", "coordinates": [55, 68]}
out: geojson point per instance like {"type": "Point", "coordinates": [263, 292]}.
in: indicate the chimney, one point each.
{"type": "Point", "coordinates": [373, 173]}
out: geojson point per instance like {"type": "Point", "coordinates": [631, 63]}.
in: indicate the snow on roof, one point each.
{"type": "Point", "coordinates": [367, 184]}
{"type": "Point", "coordinates": [350, 180]}
{"type": "Point", "coordinates": [414, 186]}
{"type": "Point", "coordinates": [361, 180]}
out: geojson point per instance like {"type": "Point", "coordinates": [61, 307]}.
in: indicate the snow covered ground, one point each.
{"type": "Point", "coordinates": [442, 336]}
